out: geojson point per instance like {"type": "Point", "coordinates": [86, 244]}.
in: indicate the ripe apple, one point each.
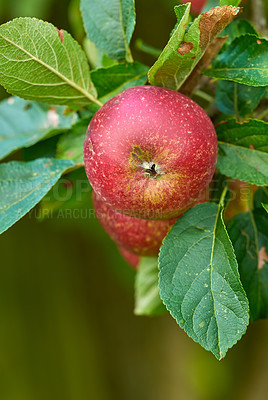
{"type": "Point", "coordinates": [139, 236]}
{"type": "Point", "coordinates": [196, 5]}
{"type": "Point", "coordinates": [131, 258]}
{"type": "Point", "coordinates": [149, 152]}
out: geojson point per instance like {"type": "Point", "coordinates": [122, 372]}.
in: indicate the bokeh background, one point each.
{"type": "Point", "coordinates": [67, 329]}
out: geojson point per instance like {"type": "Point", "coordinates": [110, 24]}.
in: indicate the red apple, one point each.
{"type": "Point", "coordinates": [131, 258]}
{"type": "Point", "coordinates": [196, 5]}
{"type": "Point", "coordinates": [139, 236]}
{"type": "Point", "coordinates": [149, 152]}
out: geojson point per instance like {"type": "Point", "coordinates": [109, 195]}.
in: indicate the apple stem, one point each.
{"type": "Point", "coordinates": [151, 171]}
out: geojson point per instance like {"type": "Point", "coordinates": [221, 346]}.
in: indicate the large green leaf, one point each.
{"type": "Point", "coordinates": [252, 133]}
{"type": "Point", "coordinates": [237, 99]}
{"type": "Point", "coordinates": [237, 28]}
{"type": "Point", "coordinates": [70, 146]}
{"type": "Point", "coordinates": [113, 80]}
{"type": "Point", "coordinates": [39, 62]}
{"type": "Point", "coordinates": [96, 57]}
{"type": "Point", "coordinates": [147, 299]}
{"type": "Point", "coordinates": [244, 164]}
{"type": "Point", "coordinates": [245, 61]}
{"type": "Point", "coordinates": [24, 123]}
{"type": "Point", "coordinates": [184, 50]}
{"type": "Point", "coordinates": [199, 281]}
{"type": "Point", "coordinates": [110, 24]}
{"type": "Point", "coordinates": [249, 234]}
{"type": "Point", "coordinates": [165, 69]}
{"type": "Point", "coordinates": [23, 184]}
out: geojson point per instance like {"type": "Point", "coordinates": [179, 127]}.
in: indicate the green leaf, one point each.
{"type": "Point", "coordinates": [244, 164]}
{"type": "Point", "coordinates": [147, 300]}
{"type": "Point", "coordinates": [72, 191]}
{"type": "Point", "coordinates": [184, 50]}
{"type": "Point", "coordinates": [265, 206]}
{"type": "Point", "coordinates": [44, 149]}
{"type": "Point", "coordinates": [245, 61]}
{"type": "Point", "coordinates": [113, 80]}
{"type": "Point", "coordinates": [249, 234]}
{"type": "Point", "coordinates": [199, 281]}
{"type": "Point", "coordinates": [110, 24]}
{"type": "Point", "coordinates": [70, 146]}
{"type": "Point", "coordinates": [234, 3]}
{"type": "Point", "coordinates": [237, 28]}
{"type": "Point", "coordinates": [97, 58]}
{"type": "Point", "coordinates": [23, 184]}
{"type": "Point", "coordinates": [165, 69]}
{"type": "Point", "coordinates": [24, 123]}
{"type": "Point", "coordinates": [237, 99]}
{"type": "Point", "coordinates": [252, 134]}
{"type": "Point", "coordinates": [260, 197]}
{"type": "Point", "coordinates": [39, 62]}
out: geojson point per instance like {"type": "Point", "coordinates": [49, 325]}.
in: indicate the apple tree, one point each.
{"type": "Point", "coordinates": [208, 265]}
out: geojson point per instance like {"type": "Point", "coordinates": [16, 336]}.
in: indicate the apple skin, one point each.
{"type": "Point", "coordinates": [131, 258]}
{"type": "Point", "coordinates": [149, 152]}
{"type": "Point", "coordinates": [136, 235]}
{"type": "Point", "coordinates": [196, 5]}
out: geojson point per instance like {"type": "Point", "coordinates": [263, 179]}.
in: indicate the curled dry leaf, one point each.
{"type": "Point", "coordinates": [183, 52]}
{"type": "Point", "coordinates": [212, 22]}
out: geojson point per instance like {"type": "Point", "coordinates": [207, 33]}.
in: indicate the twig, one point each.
{"type": "Point", "coordinates": [258, 16]}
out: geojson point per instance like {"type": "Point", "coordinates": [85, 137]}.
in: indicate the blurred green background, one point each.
{"type": "Point", "coordinates": [67, 329]}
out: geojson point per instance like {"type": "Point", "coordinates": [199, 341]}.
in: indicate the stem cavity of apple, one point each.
{"type": "Point", "coordinates": [150, 168]}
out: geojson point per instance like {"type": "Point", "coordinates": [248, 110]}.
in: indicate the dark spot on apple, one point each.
{"type": "Point", "coordinates": [185, 47]}
{"type": "Point", "coordinates": [192, 58]}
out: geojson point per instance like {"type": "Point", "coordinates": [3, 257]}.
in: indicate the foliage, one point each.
{"type": "Point", "coordinates": [54, 95]}
{"type": "Point", "coordinates": [206, 296]}
{"type": "Point", "coordinates": [147, 297]}
{"type": "Point", "coordinates": [249, 234]}
{"type": "Point", "coordinates": [244, 61]}
{"type": "Point", "coordinates": [23, 184]}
